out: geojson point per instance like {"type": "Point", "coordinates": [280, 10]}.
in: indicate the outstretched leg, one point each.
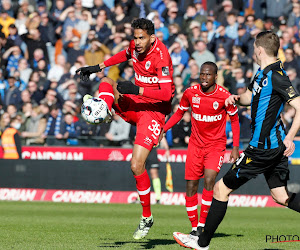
{"type": "Point", "coordinates": [143, 185]}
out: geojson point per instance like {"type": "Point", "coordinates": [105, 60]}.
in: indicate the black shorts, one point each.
{"type": "Point", "coordinates": [253, 161]}
{"type": "Point", "coordinates": [152, 160]}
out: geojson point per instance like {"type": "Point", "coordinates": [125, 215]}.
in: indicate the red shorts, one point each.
{"type": "Point", "coordinates": [148, 122]}
{"type": "Point", "coordinates": [200, 158]}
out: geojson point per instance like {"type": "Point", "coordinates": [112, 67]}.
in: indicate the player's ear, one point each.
{"type": "Point", "coordinates": [152, 38]}
{"type": "Point", "coordinates": [216, 77]}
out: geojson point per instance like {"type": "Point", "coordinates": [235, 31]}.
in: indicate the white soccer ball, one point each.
{"type": "Point", "coordinates": [94, 110]}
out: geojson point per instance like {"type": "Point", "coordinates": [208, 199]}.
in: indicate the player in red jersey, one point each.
{"type": "Point", "coordinates": [207, 144]}
{"type": "Point", "coordinates": [144, 104]}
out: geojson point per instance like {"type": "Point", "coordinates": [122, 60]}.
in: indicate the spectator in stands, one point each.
{"type": "Point", "coordinates": [24, 70]}
{"type": "Point", "coordinates": [52, 131]}
{"type": "Point", "coordinates": [221, 11]}
{"type": "Point", "coordinates": [68, 131]}
{"type": "Point", "coordinates": [192, 15]}
{"type": "Point", "coordinates": [138, 9]}
{"type": "Point", "coordinates": [119, 16]}
{"type": "Point", "coordinates": [4, 121]}
{"type": "Point", "coordinates": [98, 6]}
{"type": "Point", "coordinates": [181, 132]}
{"type": "Point", "coordinates": [33, 41]}
{"type": "Point", "coordinates": [220, 39]}
{"type": "Point", "coordinates": [231, 30]}
{"type": "Point", "coordinates": [159, 26]}
{"type": "Point", "coordinates": [101, 28]}
{"type": "Point", "coordinates": [118, 133]}
{"type": "Point", "coordinates": [292, 74]}
{"type": "Point", "coordinates": [96, 52]}
{"type": "Point", "coordinates": [179, 57]}
{"type": "Point", "coordinates": [12, 94]}
{"type": "Point", "coordinates": [202, 54]}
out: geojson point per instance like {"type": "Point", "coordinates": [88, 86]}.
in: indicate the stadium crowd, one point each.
{"type": "Point", "coordinates": [43, 43]}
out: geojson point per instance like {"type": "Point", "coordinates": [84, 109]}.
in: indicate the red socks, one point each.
{"type": "Point", "coordinates": [143, 186]}
{"type": "Point", "coordinates": [207, 197]}
{"type": "Point", "coordinates": [191, 204]}
{"type": "Point", "coordinates": [106, 92]}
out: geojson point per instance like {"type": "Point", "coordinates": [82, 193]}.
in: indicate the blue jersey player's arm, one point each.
{"type": "Point", "coordinates": [283, 86]}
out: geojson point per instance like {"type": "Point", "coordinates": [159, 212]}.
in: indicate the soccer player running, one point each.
{"type": "Point", "coordinates": [144, 104]}
{"type": "Point", "coordinates": [207, 144]}
{"type": "Point", "coordinates": [269, 147]}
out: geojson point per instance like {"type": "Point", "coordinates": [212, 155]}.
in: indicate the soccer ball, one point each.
{"type": "Point", "coordinates": [94, 110]}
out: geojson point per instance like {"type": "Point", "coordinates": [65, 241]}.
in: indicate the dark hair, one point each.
{"type": "Point", "coordinates": [144, 24]}
{"type": "Point", "coordinates": [269, 41]}
{"type": "Point", "coordinates": [211, 64]}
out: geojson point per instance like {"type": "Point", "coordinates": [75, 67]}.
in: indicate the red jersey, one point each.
{"type": "Point", "coordinates": [208, 114]}
{"type": "Point", "coordinates": [153, 70]}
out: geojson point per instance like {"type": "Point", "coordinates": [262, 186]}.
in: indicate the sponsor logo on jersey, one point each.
{"type": "Point", "coordinates": [196, 100]}
{"type": "Point", "coordinates": [207, 118]}
{"type": "Point", "coordinates": [147, 65]}
{"type": "Point", "coordinates": [256, 88]}
{"type": "Point", "coordinates": [215, 105]}
{"type": "Point", "coordinates": [265, 82]}
{"type": "Point", "coordinates": [165, 71]}
{"type": "Point", "coordinates": [147, 140]}
{"type": "Point", "coordinates": [146, 79]}
{"type": "Point", "coordinates": [291, 91]}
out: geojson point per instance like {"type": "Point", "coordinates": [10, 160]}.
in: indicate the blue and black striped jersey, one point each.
{"type": "Point", "coordinates": [271, 89]}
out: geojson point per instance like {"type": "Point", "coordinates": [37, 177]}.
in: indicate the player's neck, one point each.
{"type": "Point", "coordinates": [208, 90]}
{"type": "Point", "coordinates": [265, 62]}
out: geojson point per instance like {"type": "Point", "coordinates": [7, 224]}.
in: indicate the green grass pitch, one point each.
{"type": "Point", "coordinates": [42, 225]}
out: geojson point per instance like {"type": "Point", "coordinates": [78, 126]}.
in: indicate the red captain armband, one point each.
{"type": "Point", "coordinates": [120, 57]}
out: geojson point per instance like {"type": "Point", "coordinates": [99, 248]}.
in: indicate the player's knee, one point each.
{"type": "Point", "coordinates": [221, 191]}
{"type": "Point", "coordinates": [209, 183]}
{"type": "Point", "coordinates": [108, 80]}
{"type": "Point", "coordinates": [137, 166]}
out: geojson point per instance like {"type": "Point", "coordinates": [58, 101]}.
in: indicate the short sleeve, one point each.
{"type": "Point", "coordinates": [282, 84]}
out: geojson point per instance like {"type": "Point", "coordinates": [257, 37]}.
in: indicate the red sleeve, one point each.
{"type": "Point", "coordinates": [173, 120]}
{"type": "Point", "coordinates": [163, 94]}
{"type": "Point", "coordinates": [235, 127]}
{"type": "Point", "coordinates": [120, 57]}
{"type": "Point", "coordinates": [183, 106]}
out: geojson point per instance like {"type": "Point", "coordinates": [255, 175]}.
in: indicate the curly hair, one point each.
{"type": "Point", "coordinates": [144, 24]}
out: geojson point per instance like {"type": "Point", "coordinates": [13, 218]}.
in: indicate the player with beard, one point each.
{"type": "Point", "coordinates": [207, 144]}
{"type": "Point", "coordinates": [144, 104]}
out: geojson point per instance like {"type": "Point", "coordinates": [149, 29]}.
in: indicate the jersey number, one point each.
{"type": "Point", "coordinates": [154, 127]}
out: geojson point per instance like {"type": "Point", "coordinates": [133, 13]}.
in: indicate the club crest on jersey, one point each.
{"type": "Point", "coordinates": [147, 65]}
{"type": "Point", "coordinates": [215, 105]}
{"type": "Point", "coordinates": [196, 100]}
{"type": "Point", "coordinates": [165, 71]}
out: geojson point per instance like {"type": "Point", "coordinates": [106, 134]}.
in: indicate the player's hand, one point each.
{"type": "Point", "coordinates": [231, 100]}
{"type": "Point", "coordinates": [290, 147]}
{"type": "Point", "coordinates": [235, 154]}
{"type": "Point", "coordinates": [85, 72]}
{"type": "Point", "coordinates": [128, 87]}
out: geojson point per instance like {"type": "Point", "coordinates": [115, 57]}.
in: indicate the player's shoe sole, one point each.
{"type": "Point", "coordinates": [143, 227]}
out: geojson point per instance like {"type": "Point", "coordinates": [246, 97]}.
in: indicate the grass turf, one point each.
{"type": "Point", "coordinates": [41, 225]}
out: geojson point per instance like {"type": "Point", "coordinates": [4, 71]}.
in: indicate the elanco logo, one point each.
{"type": "Point", "coordinates": [207, 118]}
{"type": "Point", "coordinates": [146, 79]}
